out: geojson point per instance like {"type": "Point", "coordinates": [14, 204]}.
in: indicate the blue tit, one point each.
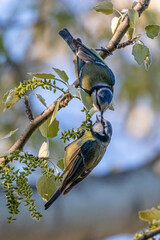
{"type": "Point", "coordinates": [95, 77]}
{"type": "Point", "coordinates": [82, 155]}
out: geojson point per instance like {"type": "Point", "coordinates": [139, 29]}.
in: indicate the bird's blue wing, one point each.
{"type": "Point", "coordinates": [78, 164]}
{"type": "Point", "coordinates": [86, 57]}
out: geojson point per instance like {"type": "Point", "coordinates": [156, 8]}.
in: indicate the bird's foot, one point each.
{"type": "Point", "coordinates": [104, 50]}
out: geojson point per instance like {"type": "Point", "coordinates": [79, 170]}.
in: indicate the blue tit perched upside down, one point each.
{"type": "Point", "coordinates": [82, 155]}
{"type": "Point", "coordinates": [95, 77]}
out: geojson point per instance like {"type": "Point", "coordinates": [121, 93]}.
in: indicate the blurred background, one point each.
{"type": "Point", "coordinates": [29, 42]}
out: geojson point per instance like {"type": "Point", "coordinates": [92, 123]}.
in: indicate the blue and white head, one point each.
{"type": "Point", "coordinates": [102, 96]}
{"type": "Point", "coordinates": [102, 131]}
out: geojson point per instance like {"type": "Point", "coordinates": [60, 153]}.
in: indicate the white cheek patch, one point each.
{"type": "Point", "coordinates": [94, 99]}
{"type": "Point", "coordinates": [98, 128]}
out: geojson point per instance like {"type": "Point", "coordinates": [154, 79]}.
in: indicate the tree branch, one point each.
{"type": "Point", "coordinates": [28, 109]}
{"type": "Point", "coordinates": [150, 234]}
{"type": "Point", "coordinates": [111, 46]}
{"type": "Point", "coordinates": [127, 43]}
{"type": "Point", "coordinates": [37, 122]}
{"type": "Point", "coordinates": [123, 27]}
{"type": "Point", "coordinates": [34, 124]}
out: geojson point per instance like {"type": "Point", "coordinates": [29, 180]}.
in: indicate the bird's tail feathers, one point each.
{"type": "Point", "coordinates": [53, 198]}
{"type": "Point", "coordinates": [83, 52]}
{"type": "Point", "coordinates": [86, 54]}
{"type": "Point", "coordinates": [65, 34]}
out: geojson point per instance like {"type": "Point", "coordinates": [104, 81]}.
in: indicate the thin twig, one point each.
{"type": "Point", "coordinates": [127, 43]}
{"type": "Point", "coordinates": [150, 234]}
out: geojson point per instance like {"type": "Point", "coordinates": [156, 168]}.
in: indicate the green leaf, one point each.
{"type": "Point", "coordinates": [115, 23]}
{"type": "Point", "coordinates": [49, 130]}
{"type": "Point", "coordinates": [43, 75]}
{"type": "Point", "coordinates": [44, 150]}
{"type": "Point", "coordinates": [60, 164]}
{"type": "Point", "coordinates": [61, 74]}
{"type": "Point", "coordinates": [129, 33]}
{"type": "Point", "coordinates": [10, 99]}
{"type": "Point", "coordinates": [111, 107]}
{"type": "Point", "coordinates": [46, 186]}
{"type": "Point", "coordinates": [104, 7]}
{"type": "Point", "coordinates": [73, 91]}
{"type": "Point", "coordinates": [56, 147]}
{"type": "Point", "coordinates": [41, 99]}
{"type": "Point", "coordinates": [54, 114]}
{"type": "Point", "coordinates": [152, 31]}
{"type": "Point", "coordinates": [133, 17]}
{"type": "Point", "coordinates": [147, 62]}
{"type": "Point", "coordinates": [134, 4]}
{"type": "Point", "coordinates": [152, 215]}
{"type": "Point", "coordinates": [140, 52]}
{"type": "Point", "coordinates": [92, 111]}
{"type": "Point", "coordinates": [9, 134]}
{"type": "Point", "coordinates": [86, 99]}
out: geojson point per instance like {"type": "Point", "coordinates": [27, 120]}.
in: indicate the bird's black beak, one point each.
{"type": "Point", "coordinates": [102, 116]}
{"type": "Point", "coordinates": [97, 118]}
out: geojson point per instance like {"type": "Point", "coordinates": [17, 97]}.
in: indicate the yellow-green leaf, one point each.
{"type": "Point", "coordinates": [129, 33]}
{"type": "Point", "coordinates": [9, 134]}
{"type": "Point", "coordinates": [111, 107]}
{"type": "Point", "coordinates": [133, 17]}
{"type": "Point", "coordinates": [92, 111]}
{"type": "Point", "coordinates": [147, 62]}
{"type": "Point", "coordinates": [73, 91]}
{"type": "Point", "coordinates": [46, 186]}
{"type": "Point", "coordinates": [10, 99]}
{"type": "Point", "coordinates": [115, 23]}
{"type": "Point", "coordinates": [152, 30]}
{"type": "Point", "coordinates": [60, 164]}
{"type": "Point", "coordinates": [61, 74]}
{"type": "Point", "coordinates": [41, 99]}
{"type": "Point", "coordinates": [44, 150]}
{"type": "Point", "coordinates": [140, 52]}
{"type": "Point", "coordinates": [86, 99]}
{"type": "Point", "coordinates": [54, 114]}
{"type": "Point", "coordinates": [104, 7]}
{"type": "Point", "coordinates": [150, 215]}
{"type": "Point", "coordinates": [42, 75]}
{"type": "Point", "coordinates": [56, 147]}
{"type": "Point", "coordinates": [49, 130]}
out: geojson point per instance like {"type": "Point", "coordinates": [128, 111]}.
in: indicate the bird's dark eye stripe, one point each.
{"type": "Point", "coordinates": [97, 87]}
{"type": "Point", "coordinates": [102, 137]}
